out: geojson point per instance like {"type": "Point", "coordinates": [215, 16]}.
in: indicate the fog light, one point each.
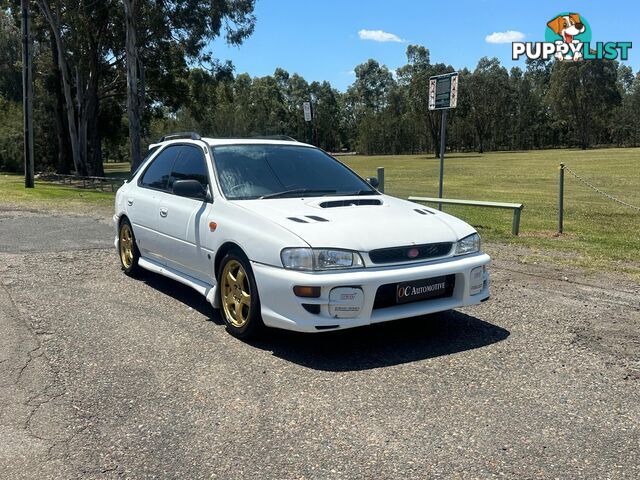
{"type": "Point", "coordinates": [345, 302]}
{"type": "Point", "coordinates": [307, 292]}
{"type": "Point", "coordinates": [476, 280]}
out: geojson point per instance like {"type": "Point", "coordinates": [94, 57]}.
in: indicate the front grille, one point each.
{"type": "Point", "coordinates": [410, 253]}
{"type": "Point", "coordinates": [386, 294]}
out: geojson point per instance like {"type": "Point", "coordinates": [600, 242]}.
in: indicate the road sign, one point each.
{"type": "Point", "coordinates": [306, 106]}
{"type": "Point", "coordinates": [443, 91]}
{"type": "Point", "coordinates": [443, 95]}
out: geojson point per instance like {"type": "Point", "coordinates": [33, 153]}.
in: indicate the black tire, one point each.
{"type": "Point", "coordinates": [127, 249]}
{"type": "Point", "coordinates": [248, 323]}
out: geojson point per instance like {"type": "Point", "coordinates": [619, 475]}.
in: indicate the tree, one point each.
{"type": "Point", "coordinates": [135, 83]}
{"type": "Point", "coordinates": [82, 40]}
{"type": "Point", "coordinates": [10, 58]}
{"type": "Point", "coordinates": [368, 97]}
{"type": "Point", "coordinates": [488, 89]}
{"type": "Point", "coordinates": [415, 76]}
{"type": "Point", "coordinates": [169, 34]}
{"type": "Point", "coordinates": [584, 94]}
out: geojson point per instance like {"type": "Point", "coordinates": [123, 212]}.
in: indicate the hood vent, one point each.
{"type": "Point", "coordinates": [296, 219]}
{"type": "Point", "coordinates": [350, 203]}
{"type": "Point", "coordinates": [316, 218]}
{"type": "Point", "coordinates": [423, 211]}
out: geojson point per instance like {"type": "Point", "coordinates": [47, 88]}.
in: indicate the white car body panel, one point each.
{"type": "Point", "coordinates": [175, 239]}
{"type": "Point", "coordinates": [184, 239]}
{"type": "Point", "coordinates": [394, 223]}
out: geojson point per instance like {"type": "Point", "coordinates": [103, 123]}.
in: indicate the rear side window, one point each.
{"type": "Point", "coordinates": [190, 165]}
{"type": "Point", "coordinates": [158, 173]}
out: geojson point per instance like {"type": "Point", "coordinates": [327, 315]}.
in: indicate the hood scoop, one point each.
{"type": "Point", "coordinates": [356, 202]}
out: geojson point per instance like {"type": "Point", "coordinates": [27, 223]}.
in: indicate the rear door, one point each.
{"type": "Point", "coordinates": [143, 200]}
{"type": "Point", "coordinates": [183, 227]}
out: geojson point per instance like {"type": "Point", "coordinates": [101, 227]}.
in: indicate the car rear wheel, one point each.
{"type": "Point", "coordinates": [239, 302]}
{"type": "Point", "coordinates": [127, 248]}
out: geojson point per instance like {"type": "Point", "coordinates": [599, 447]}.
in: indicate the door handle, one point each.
{"type": "Point", "coordinates": [164, 212]}
{"type": "Point", "coordinates": [129, 202]}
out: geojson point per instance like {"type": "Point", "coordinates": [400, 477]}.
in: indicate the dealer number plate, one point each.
{"type": "Point", "coordinates": [421, 289]}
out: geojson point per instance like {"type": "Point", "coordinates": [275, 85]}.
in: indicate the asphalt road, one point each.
{"type": "Point", "coordinates": [105, 376]}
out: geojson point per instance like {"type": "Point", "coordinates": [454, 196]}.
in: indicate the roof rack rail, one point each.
{"type": "Point", "coordinates": [275, 137]}
{"type": "Point", "coordinates": [179, 135]}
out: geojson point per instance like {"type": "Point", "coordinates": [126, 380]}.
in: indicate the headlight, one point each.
{"type": "Point", "coordinates": [319, 259]}
{"type": "Point", "coordinates": [470, 244]}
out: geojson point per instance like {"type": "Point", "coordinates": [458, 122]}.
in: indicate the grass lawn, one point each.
{"type": "Point", "coordinates": [52, 196]}
{"type": "Point", "coordinates": [117, 170]}
{"type": "Point", "coordinates": [598, 231]}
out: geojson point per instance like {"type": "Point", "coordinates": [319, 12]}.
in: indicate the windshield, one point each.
{"type": "Point", "coordinates": [272, 171]}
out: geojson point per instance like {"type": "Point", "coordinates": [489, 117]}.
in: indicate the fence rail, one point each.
{"type": "Point", "coordinates": [87, 182]}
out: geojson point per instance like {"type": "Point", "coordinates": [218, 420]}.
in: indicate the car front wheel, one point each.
{"type": "Point", "coordinates": [239, 302]}
{"type": "Point", "coordinates": [127, 248]}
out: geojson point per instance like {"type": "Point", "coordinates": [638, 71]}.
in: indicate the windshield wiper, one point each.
{"type": "Point", "coordinates": [298, 191]}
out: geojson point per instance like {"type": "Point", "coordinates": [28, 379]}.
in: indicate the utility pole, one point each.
{"type": "Point", "coordinates": [27, 96]}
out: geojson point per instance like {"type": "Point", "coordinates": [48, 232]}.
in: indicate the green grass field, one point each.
{"type": "Point", "coordinates": [52, 196]}
{"type": "Point", "coordinates": [598, 232]}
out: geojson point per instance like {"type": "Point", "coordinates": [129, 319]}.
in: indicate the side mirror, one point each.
{"type": "Point", "coordinates": [373, 181]}
{"type": "Point", "coordinates": [189, 189]}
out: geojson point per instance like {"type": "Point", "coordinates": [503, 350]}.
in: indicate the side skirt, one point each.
{"type": "Point", "coordinates": [204, 289]}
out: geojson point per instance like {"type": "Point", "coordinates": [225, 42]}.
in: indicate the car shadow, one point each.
{"type": "Point", "coordinates": [385, 344]}
{"type": "Point", "coordinates": [363, 348]}
{"type": "Point", "coordinates": [183, 293]}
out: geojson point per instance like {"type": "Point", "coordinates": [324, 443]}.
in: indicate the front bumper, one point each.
{"type": "Point", "coordinates": [282, 309]}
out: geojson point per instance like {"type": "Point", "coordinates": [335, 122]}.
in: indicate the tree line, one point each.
{"type": "Point", "coordinates": [179, 86]}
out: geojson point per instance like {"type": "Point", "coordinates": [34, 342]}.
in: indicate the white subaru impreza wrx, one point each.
{"type": "Point", "coordinates": [279, 233]}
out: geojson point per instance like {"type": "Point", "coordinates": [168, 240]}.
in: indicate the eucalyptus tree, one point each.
{"type": "Point", "coordinates": [84, 37]}
{"type": "Point", "coordinates": [585, 94]}
{"type": "Point", "coordinates": [163, 38]}
{"type": "Point", "coordinates": [415, 76]}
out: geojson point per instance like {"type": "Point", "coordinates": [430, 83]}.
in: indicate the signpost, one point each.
{"type": "Point", "coordinates": [308, 117]}
{"type": "Point", "coordinates": [443, 95]}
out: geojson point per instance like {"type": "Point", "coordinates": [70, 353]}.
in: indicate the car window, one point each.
{"type": "Point", "coordinates": [190, 165]}
{"type": "Point", "coordinates": [253, 171]}
{"type": "Point", "coordinates": [144, 160]}
{"type": "Point", "coordinates": [158, 173]}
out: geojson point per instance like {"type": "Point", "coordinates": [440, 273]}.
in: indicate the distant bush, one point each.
{"type": "Point", "coordinates": [11, 146]}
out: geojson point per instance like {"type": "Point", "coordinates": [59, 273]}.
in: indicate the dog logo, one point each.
{"type": "Point", "coordinates": [568, 37]}
{"type": "Point", "coordinates": [571, 29]}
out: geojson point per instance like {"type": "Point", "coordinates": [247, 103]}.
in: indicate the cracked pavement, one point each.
{"type": "Point", "coordinates": [106, 376]}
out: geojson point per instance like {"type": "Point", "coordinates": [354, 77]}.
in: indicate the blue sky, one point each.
{"type": "Point", "coordinates": [320, 39]}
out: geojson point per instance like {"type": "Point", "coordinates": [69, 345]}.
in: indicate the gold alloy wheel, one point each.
{"type": "Point", "coordinates": [126, 245]}
{"type": "Point", "coordinates": [236, 294]}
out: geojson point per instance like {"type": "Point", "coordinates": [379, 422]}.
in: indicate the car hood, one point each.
{"type": "Point", "coordinates": [360, 223]}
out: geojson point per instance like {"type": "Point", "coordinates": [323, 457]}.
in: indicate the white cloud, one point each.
{"type": "Point", "coordinates": [504, 37]}
{"type": "Point", "coordinates": [378, 36]}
